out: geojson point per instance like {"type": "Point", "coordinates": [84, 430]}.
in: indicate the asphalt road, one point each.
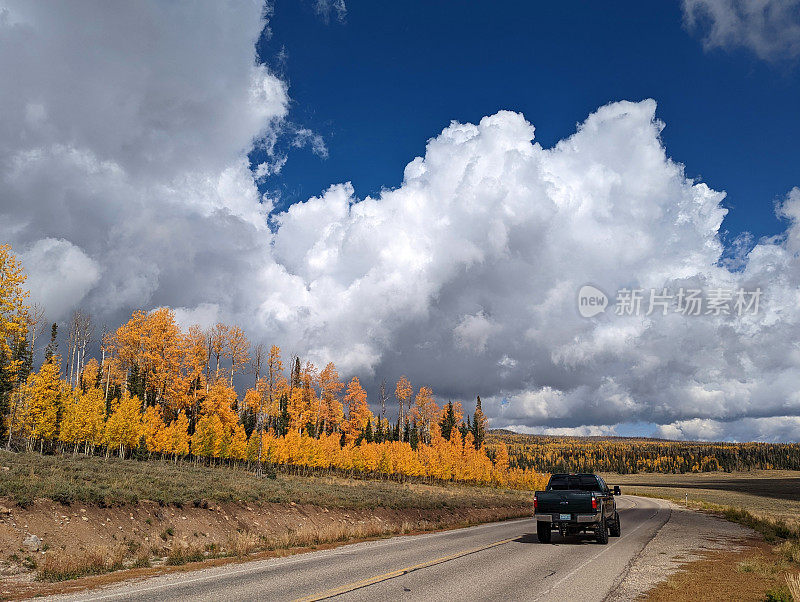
{"type": "Point", "coordinates": [488, 562]}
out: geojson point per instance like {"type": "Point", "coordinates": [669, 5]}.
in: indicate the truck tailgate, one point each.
{"type": "Point", "coordinates": [564, 501]}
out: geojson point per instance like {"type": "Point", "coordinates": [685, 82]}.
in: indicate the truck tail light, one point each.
{"type": "Point", "coordinates": [594, 503]}
{"type": "Point", "coordinates": [535, 503]}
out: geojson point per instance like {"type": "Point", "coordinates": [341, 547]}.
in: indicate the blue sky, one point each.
{"type": "Point", "coordinates": [389, 76]}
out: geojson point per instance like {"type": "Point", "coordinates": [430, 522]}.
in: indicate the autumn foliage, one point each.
{"type": "Point", "coordinates": [161, 391]}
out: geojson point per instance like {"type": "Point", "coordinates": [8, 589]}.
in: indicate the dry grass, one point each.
{"type": "Point", "coordinates": [793, 583]}
{"type": "Point", "coordinates": [62, 565]}
{"type": "Point", "coordinates": [112, 481]}
{"type": "Point", "coordinates": [243, 544]}
{"type": "Point", "coordinates": [182, 554]}
{"type": "Point", "coordinates": [789, 550]}
{"type": "Point", "coordinates": [141, 560]}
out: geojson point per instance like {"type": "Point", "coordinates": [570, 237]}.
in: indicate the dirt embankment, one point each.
{"type": "Point", "coordinates": [148, 534]}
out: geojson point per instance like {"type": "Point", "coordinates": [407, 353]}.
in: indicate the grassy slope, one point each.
{"type": "Point", "coordinates": [111, 481]}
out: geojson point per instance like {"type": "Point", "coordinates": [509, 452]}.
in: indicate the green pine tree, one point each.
{"type": "Point", "coordinates": [368, 431]}
{"type": "Point", "coordinates": [448, 421]}
{"type": "Point", "coordinates": [465, 428]}
{"type": "Point", "coordinates": [6, 386]}
{"type": "Point", "coordinates": [52, 346]}
{"type": "Point", "coordinates": [414, 435]}
{"type": "Point", "coordinates": [284, 418]}
{"type": "Point", "coordinates": [479, 425]}
{"type": "Point", "coordinates": [296, 373]}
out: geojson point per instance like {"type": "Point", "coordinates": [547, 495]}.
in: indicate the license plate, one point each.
{"type": "Point", "coordinates": [564, 516]}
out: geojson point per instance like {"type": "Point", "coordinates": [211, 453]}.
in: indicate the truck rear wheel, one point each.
{"type": "Point", "coordinates": [616, 528]}
{"type": "Point", "coordinates": [543, 531]}
{"type": "Point", "coordinates": [601, 532]}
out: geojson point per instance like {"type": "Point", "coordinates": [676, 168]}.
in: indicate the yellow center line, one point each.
{"type": "Point", "coordinates": [337, 591]}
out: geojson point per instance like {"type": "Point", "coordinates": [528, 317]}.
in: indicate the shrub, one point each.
{"type": "Point", "coordinates": [183, 554]}
{"type": "Point", "coordinates": [778, 594]}
{"type": "Point", "coordinates": [790, 550]}
{"type": "Point", "coordinates": [61, 566]}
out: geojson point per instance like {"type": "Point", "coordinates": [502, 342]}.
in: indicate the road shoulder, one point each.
{"type": "Point", "coordinates": [684, 538]}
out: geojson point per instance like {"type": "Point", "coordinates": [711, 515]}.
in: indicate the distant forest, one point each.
{"type": "Point", "coordinates": [632, 455]}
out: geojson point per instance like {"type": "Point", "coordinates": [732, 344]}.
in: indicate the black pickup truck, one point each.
{"type": "Point", "coordinates": [576, 503]}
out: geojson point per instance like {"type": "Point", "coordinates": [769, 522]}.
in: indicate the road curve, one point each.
{"type": "Point", "coordinates": [493, 561]}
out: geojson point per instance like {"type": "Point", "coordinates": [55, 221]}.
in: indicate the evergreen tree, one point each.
{"type": "Point", "coordinates": [368, 431]}
{"type": "Point", "coordinates": [379, 436]}
{"type": "Point", "coordinates": [249, 421]}
{"type": "Point", "coordinates": [465, 428]}
{"type": "Point", "coordinates": [22, 354]}
{"type": "Point", "coordinates": [296, 374]}
{"type": "Point", "coordinates": [135, 382]}
{"type": "Point", "coordinates": [448, 421]}
{"type": "Point", "coordinates": [311, 429]}
{"type": "Point", "coordinates": [6, 387]}
{"type": "Point", "coordinates": [52, 346]}
{"type": "Point", "coordinates": [406, 432]}
{"type": "Point", "coordinates": [413, 438]}
{"type": "Point", "coordinates": [479, 423]}
{"type": "Point", "coordinates": [284, 418]}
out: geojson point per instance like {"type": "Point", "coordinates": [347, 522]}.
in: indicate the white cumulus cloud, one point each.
{"type": "Point", "coordinates": [60, 275]}
{"type": "Point", "coordinates": [124, 182]}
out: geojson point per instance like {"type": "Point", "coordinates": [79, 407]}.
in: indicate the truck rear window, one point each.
{"type": "Point", "coordinates": [577, 482]}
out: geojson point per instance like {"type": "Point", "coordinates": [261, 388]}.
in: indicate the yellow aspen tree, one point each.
{"type": "Point", "coordinates": [224, 438]}
{"type": "Point", "coordinates": [154, 430]}
{"type": "Point", "coordinates": [238, 450]}
{"type": "Point", "coordinates": [309, 379]}
{"type": "Point", "coordinates": [206, 436]}
{"type": "Point", "coordinates": [42, 405]}
{"type": "Point", "coordinates": [275, 380]}
{"type": "Point", "coordinates": [220, 402]}
{"type": "Point", "coordinates": [161, 345]}
{"type": "Point", "coordinates": [295, 408]}
{"type": "Point", "coordinates": [426, 411]}
{"type": "Point", "coordinates": [91, 417]}
{"type": "Point", "coordinates": [180, 436]}
{"type": "Point", "coordinates": [90, 375]}
{"type": "Point", "coordinates": [358, 412]}
{"type": "Point", "coordinates": [68, 429]}
{"type": "Point", "coordinates": [331, 411]}
{"type": "Point", "coordinates": [402, 392]}
{"type": "Point", "coordinates": [124, 426]}
{"type": "Point", "coordinates": [194, 356]}
{"type": "Point", "coordinates": [501, 458]}
{"type": "Point", "coordinates": [13, 311]}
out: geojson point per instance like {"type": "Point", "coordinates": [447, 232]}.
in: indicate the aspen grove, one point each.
{"type": "Point", "coordinates": [158, 391]}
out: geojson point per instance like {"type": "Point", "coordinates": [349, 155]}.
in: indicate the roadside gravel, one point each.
{"type": "Point", "coordinates": [683, 538]}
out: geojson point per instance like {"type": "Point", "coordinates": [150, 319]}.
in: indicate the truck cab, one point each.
{"type": "Point", "coordinates": [576, 503]}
